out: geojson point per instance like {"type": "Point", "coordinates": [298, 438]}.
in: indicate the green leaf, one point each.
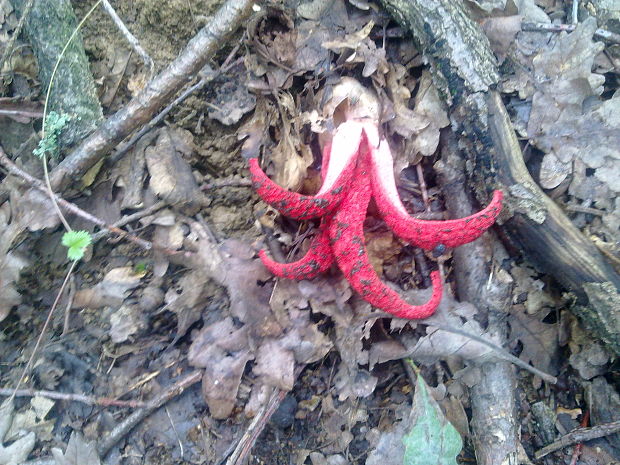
{"type": "Point", "coordinates": [76, 242]}
{"type": "Point", "coordinates": [432, 438]}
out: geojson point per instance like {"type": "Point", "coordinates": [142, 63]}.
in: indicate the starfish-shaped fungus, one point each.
{"type": "Point", "coordinates": [357, 166]}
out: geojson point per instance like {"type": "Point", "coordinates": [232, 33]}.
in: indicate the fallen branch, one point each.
{"type": "Point", "coordinates": [136, 417]}
{"type": "Point", "coordinates": [40, 185]}
{"type": "Point", "coordinates": [604, 34]}
{"type": "Point", "coordinates": [579, 435]}
{"type": "Point", "coordinates": [494, 420]}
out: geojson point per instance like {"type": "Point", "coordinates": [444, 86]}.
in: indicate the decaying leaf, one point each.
{"type": "Point", "coordinates": [567, 120]}
{"type": "Point", "coordinates": [223, 351]}
{"type": "Point", "coordinates": [360, 49]}
{"type": "Point", "coordinates": [530, 290]}
{"type": "Point", "coordinates": [429, 106]}
{"type": "Point", "coordinates": [419, 125]}
{"type": "Point", "coordinates": [111, 291]}
{"type": "Point", "coordinates": [382, 246]}
{"type": "Point", "coordinates": [19, 450]}
{"type": "Point", "coordinates": [187, 299]}
{"type": "Point", "coordinates": [33, 419]}
{"type": "Point", "coordinates": [275, 340]}
{"type": "Point", "coordinates": [232, 99]}
{"type": "Point", "coordinates": [338, 421]}
{"type": "Point", "coordinates": [275, 365]}
{"type": "Point", "coordinates": [126, 321]}
{"type": "Point", "coordinates": [171, 176]}
{"type": "Point", "coordinates": [539, 340]}
{"type": "Point", "coordinates": [440, 344]}
{"type": "Point", "coordinates": [79, 452]}
{"type": "Point", "coordinates": [254, 132]}
{"type": "Point", "coordinates": [10, 266]}
{"type": "Point", "coordinates": [501, 32]}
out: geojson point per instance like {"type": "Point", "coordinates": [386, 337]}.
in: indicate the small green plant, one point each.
{"type": "Point", "coordinates": [52, 127]}
{"type": "Point", "coordinates": [140, 268]}
{"type": "Point", "coordinates": [76, 243]}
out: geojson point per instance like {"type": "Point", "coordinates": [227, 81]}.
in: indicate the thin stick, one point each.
{"type": "Point", "coordinates": [503, 353]}
{"type": "Point", "coordinates": [38, 184]}
{"type": "Point", "coordinates": [256, 427]}
{"type": "Point", "coordinates": [131, 218]}
{"type": "Point", "coordinates": [148, 61]}
{"type": "Point", "coordinates": [136, 417]}
{"type": "Point", "coordinates": [72, 289]}
{"type": "Point", "coordinates": [579, 446]}
{"type": "Point", "coordinates": [43, 330]}
{"type": "Point", "coordinates": [227, 182]}
{"type": "Point", "coordinates": [88, 400]}
{"type": "Point", "coordinates": [423, 188]}
{"type": "Point", "coordinates": [579, 435]}
{"type": "Point", "coordinates": [545, 27]}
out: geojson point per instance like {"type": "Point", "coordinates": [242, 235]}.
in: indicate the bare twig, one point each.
{"type": "Point", "coordinates": [136, 417]}
{"type": "Point", "coordinates": [579, 435]}
{"type": "Point", "coordinates": [44, 329]}
{"type": "Point", "coordinates": [228, 182]}
{"type": "Point", "coordinates": [577, 449]}
{"type": "Point", "coordinates": [88, 400]}
{"type": "Point", "coordinates": [501, 352]}
{"type": "Point", "coordinates": [546, 27]}
{"type": "Point", "coordinates": [70, 296]}
{"type": "Point", "coordinates": [148, 61]}
{"type": "Point", "coordinates": [251, 434]}
{"type": "Point", "coordinates": [575, 12]}
{"type": "Point", "coordinates": [130, 219]}
{"type": "Point", "coordinates": [256, 427]}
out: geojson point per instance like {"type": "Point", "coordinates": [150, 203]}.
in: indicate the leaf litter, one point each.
{"type": "Point", "coordinates": [250, 338]}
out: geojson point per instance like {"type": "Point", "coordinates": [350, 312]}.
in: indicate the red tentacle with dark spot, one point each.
{"type": "Point", "coordinates": [347, 241]}
{"type": "Point", "coordinates": [336, 179]}
{"type": "Point", "coordinates": [421, 233]}
{"type": "Point", "coordinates": [317, 260]}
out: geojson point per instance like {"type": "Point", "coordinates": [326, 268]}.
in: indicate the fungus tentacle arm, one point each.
{"type": "Point", "coordinates": [421, 233]}
{"type": "Point", "coordinates": [340, 166]}
{"type": "Point", "coordinates": [317, 260]}
{"type": "Point", "coordinates": [346, 232]}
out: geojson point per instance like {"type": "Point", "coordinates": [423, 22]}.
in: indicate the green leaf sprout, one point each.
{"type": "Point", "coordinates": [76, 242]}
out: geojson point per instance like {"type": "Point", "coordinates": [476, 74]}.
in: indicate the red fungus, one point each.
{"type": "Point", "coordinates": [358, 168]}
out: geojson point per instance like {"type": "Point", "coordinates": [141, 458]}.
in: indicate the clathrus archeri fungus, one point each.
{"type": "Point", "coordinates": [358, 166]}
